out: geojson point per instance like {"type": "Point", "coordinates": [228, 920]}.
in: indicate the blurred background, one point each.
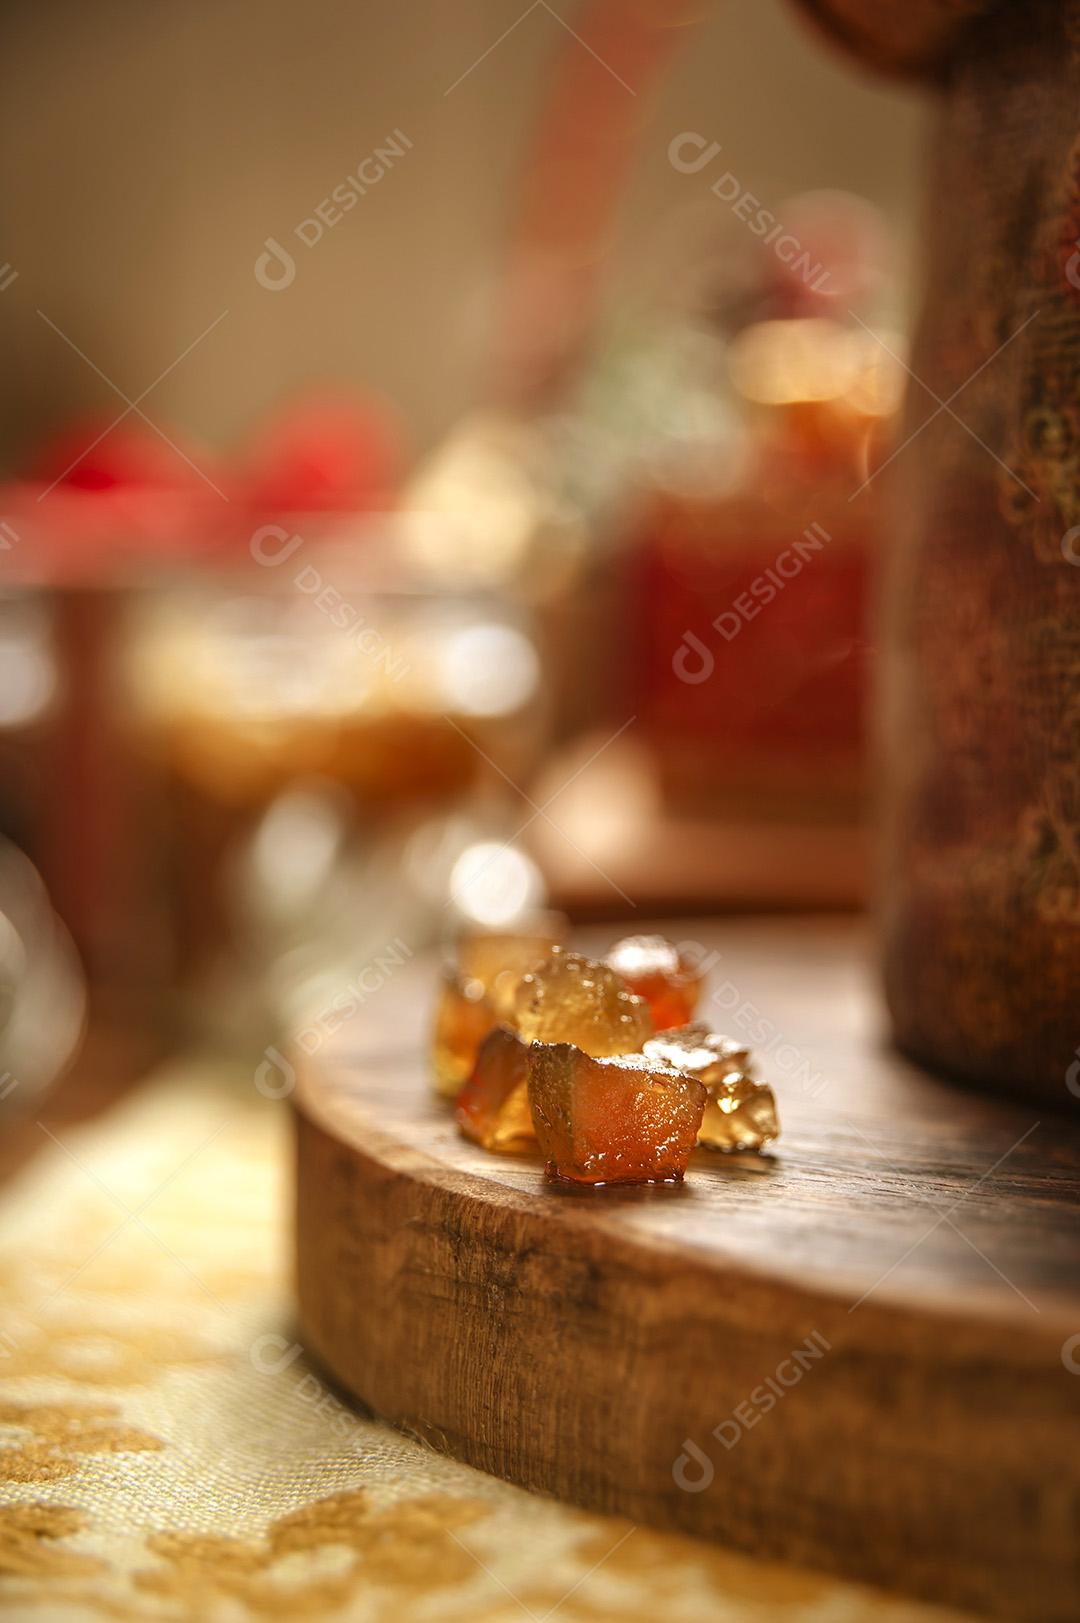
{"type": "Point", "coordinates": [439, 460]}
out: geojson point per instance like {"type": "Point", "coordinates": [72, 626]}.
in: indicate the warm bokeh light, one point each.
{"type": "Point", "coordinates": [495, 884]}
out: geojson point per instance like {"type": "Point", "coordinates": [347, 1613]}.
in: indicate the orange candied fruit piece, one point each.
{"type": "Point", "coordinates": [493, 1106]}
{"type": "Point", "coordinates": [656, 970]}
{"type": "Point", "coordinates": [463, 1018]}
{"type": "Point", "coordinates": [571, 999]}
{"type": "Point", "coordinates": [624, 1119]}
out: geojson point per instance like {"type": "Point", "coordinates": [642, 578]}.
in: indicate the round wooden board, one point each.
{"type": "Point", "coordinates": [861, 1353]}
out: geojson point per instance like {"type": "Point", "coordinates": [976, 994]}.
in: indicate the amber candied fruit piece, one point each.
{"type": "Point", "coordinates": [493, 1106]}
{"type": "Point", "coordinates": [624, 1119]}
{"type": "Point", "coordinates": [463, 1018]}
{"type": "Point", "coordinates": [570, 999]}
{"type": "Point", "coordinates": [741, 1112]}
{"type": "Point", "coordinates": [499, 958]}
{"type": "Point", "coordinates": [656, 970]}
{"type": "Point", "coordinates": [740, 1115]}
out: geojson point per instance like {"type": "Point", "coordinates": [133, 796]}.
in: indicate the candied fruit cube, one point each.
{"type": "Point", "coordinates": [623, 1119]}
{"type": "Point", "coordinates": [656, 970]}
{"type": "Point", "coordinates": [493, 1106]}
{"type": "Point", "coordinates": [740, 1115]}
{"type": "Point", "coordinates": [499, 958]}
{"type": "Point", "coordinates": [463, 1018]}
{"type": "Point", "coordinates": [741, 1112]}
{"type": "Point", "coordinates": [570, 999]}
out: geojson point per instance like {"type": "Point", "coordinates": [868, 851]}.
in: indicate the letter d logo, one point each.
{"type": "Point", "coordinates": [276, 268]}
{"type": "Point", "coordinates": [1072, 267]}
{"type": "Point", "coordinates": [692, 1481]}
{"type": "Point", "coordinates": [275, 1077]}
{"type": "Point", "coordinates": [271, 1354]}
{"type": "Point", "coordinates": [689, 651]}
{"type": "Point", "coordinates": [689, 152]}
{"type": "Point", "coordinates": [1072, 1076]}
{"type": "Point", "coordinates": [271, 555]}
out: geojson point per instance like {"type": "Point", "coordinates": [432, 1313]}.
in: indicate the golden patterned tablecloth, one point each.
{"type": "Point", "coordinates": [167, 1452]}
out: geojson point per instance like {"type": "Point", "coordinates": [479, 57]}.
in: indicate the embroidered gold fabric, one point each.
{"type": "Point", "coordinates": [167, 1453]}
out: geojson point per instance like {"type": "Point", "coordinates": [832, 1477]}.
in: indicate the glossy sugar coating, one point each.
{"type": "Point", "coordinates": [702, 1053]}
{"type": "Point", "coordinates": [741, 1112]}
{"type": "Point", "coordinates": [656, 970]}
{"type": "Point", "coordinates": [463, 1018]}
{"type": "Point", "coordinates": [570, 999]}
{"type": "Point", "coordinates": [499, 958]}
{"type": "Point", "coordinates": [493, 1106]}
{"type": "Point", "coordinates": [624, 1119]}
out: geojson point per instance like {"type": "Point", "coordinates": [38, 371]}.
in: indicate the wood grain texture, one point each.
{"type": "Point", "coordinates": [573, 1342]}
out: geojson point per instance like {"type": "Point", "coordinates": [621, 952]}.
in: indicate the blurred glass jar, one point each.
{"type": "Point", "coordinates": [42, 992]}
{"type": "Point", "coordinates": [30, 690]}
{"type": "Point", "coordinates": [301, 714]}
{"type": "Point", "coordinates": [754, 568]}
{"type": "Point", "coordinates": [69, 797]}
